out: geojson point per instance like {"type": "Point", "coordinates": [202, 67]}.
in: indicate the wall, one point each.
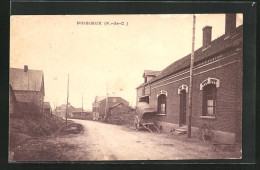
{"type": "Point", "coordinates": [110, 103]}
{"type": "Point", "coordinates": [35, 99]}
{"type": "Point", "coordinates": [120, 109]}
{"type": "Point", "coordinates": [11, 103]}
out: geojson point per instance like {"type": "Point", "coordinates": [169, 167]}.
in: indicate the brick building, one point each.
{"type": "Point", "coordinates": [217, 86]}
{"type": "Point", "coordinates": [114, 104]}
{"type": "Point", "coordinates": [28, 88]}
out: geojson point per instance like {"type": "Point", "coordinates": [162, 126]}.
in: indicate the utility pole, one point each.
{"type": "Point", "coordinates": [106, 102]}
{"type": "Point", "coordinates": [67, 99]}
{"type": "Point", "coordinates": [191, 78]}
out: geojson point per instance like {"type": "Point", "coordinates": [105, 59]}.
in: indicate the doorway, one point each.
{"type": "Point", "coordinates": [182, 119]}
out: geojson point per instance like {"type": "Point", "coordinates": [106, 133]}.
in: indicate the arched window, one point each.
{"type": "Point", "coordinates": [209, 100]}
{"type": "Point", "coordinates": [162, 104]}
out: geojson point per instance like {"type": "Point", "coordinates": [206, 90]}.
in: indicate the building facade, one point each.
{"type": "Point", "coordinates": [12, 101]}
{"type": "Point", "coordinates": [217, 86]}
{"type": "Point", "coordinates": [116, 104]}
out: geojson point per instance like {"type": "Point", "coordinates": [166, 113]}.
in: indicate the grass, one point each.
{"type": "Point", "coordinates": [23, 129]}
{"type": "Point", "coordinates": [33, 138]}
{"type": "Point", "coordinates": [40, 150]}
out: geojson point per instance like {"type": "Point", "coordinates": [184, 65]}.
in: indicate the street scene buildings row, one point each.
{"type": "Point", "coordinates": [217, 89]}
{"type": "Point", "coordinates": [217, 86]}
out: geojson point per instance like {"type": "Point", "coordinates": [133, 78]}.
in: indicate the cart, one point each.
{"type": "Point", "coordinates": [145, 116]}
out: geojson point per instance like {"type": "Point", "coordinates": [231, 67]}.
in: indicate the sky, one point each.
{"type": "Point", "coordinates": [100, 57]}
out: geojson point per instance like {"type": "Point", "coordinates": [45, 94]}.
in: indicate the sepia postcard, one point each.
{"type": "Point", "coordinates": [125, 87]}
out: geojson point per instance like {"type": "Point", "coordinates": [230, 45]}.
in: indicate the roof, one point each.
{"type": "Point", "coordinates": [116, 105]}
{"type": "Point", "coordinates": [201, 54]}
{"type": "Point", "coordinates": [151, 73]}
{"type": "Point", "coordinates": [26, 81]}
{"type": "Point", "coordinates": [99, 98]}
{"type": "Point", "coordinates": [143, 107]}
{"type": "Point", "coordinates": [47, 105]}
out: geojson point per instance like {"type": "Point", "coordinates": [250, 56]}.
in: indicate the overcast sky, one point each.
{"type": "Point", "coordinates": [95, 54]}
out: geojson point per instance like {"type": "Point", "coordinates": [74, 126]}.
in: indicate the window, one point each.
{"type": "Point", "coordinates": [209, 100]}
{"type": "Point", "coordinates": [144, 99]}
{"type": "Point", "coordinates": [162, 104]}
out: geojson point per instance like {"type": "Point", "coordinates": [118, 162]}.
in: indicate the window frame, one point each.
{"type": "Point", "coordinates": [209, 93]}
{"type": "Point", "coordinates": [161, 102]}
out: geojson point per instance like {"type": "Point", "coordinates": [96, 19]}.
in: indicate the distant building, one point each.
{"type": "Point", "coordinates": [119, 108]}
{"type": "Point", "coordinates": [217, 86]}
{"type": "Point", "coordinates": [47, 107]}
{"type": "Point", "coordinates": [28, 88]}
{"type": "Point", "coordinates": [61, 110]}
{"type": "Point", "coordinates": [114, 104]}
{"type": "Point", "coordinates": [79, 113]}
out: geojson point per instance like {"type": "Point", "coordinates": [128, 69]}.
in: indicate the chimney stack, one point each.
{"type": "Point", "coordinates": [230, 23]}
{"type": "Point", "coordinates": [206, 36]}
{"type": "Point", "coordinates": [25, 68]}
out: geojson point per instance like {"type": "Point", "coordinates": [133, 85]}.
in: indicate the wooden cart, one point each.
{"type": "Point", "coordinates": [145, 116]}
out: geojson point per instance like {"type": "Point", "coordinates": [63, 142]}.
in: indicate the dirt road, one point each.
{"type": "Point", "coordinates": [102, 141]}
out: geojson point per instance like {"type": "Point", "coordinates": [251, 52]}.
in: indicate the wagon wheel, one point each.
{"type": "Point", "coordinates": [209, 136]}
{"type": "Point", "coordinates": [199, 134]}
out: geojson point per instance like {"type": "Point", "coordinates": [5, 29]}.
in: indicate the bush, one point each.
{"type": "Point", "coordinates": [32, 125]}
{"type": "Point", "coordinates": [121, 118]}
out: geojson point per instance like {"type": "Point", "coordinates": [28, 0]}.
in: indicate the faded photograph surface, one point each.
{"type": "Point", "coordinates": [125, 87]}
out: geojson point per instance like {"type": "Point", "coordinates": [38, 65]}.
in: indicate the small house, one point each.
{"type": "Point", "coordinates": [28, 88]}
{"type": "Point", "coordinates": [114, 104]}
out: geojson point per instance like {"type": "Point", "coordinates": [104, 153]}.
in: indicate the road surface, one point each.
{"type": "Point", "coordinates": [101, 141]}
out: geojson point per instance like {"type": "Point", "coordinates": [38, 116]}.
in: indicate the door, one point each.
{"type": "Point", "coordinates": [182, 118]}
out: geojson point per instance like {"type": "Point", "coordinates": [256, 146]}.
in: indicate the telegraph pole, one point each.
{"type": "Point", "coordinates": [191, 78]}
{"type": "Point", "coordinates": [106, 102]}
{"type": "Point", "coordinates": [67, 99]}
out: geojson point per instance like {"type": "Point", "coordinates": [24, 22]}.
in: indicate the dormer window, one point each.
{"type": "Point", "coordinates": [149, 75]}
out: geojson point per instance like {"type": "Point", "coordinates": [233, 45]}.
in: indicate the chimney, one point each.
{"type": "Point", "coordinates": [206, 36]}
{"type": "Point", "coordinates": [230, 23]}
{"type": "Point", "coordinates": [25, 68]}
